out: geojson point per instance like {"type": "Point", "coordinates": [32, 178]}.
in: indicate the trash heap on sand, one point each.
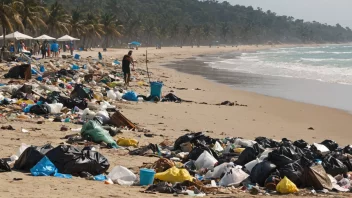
{"type": "Point", "coordinates": [195, 164]}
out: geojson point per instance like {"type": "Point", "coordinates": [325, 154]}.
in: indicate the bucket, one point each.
{"type": "Point", "coordinates": [42, 68]}
{"type": "Point", "coordinates": [146, 176]}
{"type": "Point", "coordinates": [77, 56]}
{"type": "Point", "coordinates": [155, 89]}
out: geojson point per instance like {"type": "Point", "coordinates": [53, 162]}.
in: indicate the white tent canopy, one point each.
{"type": "Point", "coordinates": [44, 37]}
{"type": "Point", "coordinates": [18, 36]}
{"type": "Point", "coordinates": [67, 38]}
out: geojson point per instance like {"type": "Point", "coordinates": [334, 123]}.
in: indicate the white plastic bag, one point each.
{"type": "Point", "coordinates": [322, 148]}
{"type": "Point", "coordinates": [111, 95]}
{"type": "Point", "coordinates": [55, 108]}
{"type": "Point", "coordinates": [118, 95]}
{"type": "Point", "coordinates": [121, 175]}
{"type": "Point", "coordinates": [88, 114]}
{"type": "Point", "coordinates": [104, 115]}
{"type": "Point", "coordinates": [219, 170]}
{"type": "Point", "coordinates": [22, 148]}
{"type": "Point", "coordinates": [205, 160]}
{"type": "Point", "coordinates": [250, 165]}
{"type": "Point", "coordinates": [245, 143]}
{"type": "Point", "coordinates": [234, 177]}
{"type": "Point", "coordinates": [218, 147]}
{"type": "Point", "coordinates": [265, 154]}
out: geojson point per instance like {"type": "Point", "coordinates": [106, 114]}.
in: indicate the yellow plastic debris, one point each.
{"type": "Point", "coordinates": [20, 101]}
{"type": "Point", "coordinates": [174, 175]}
{"type": "Point", "coordinates": [127, 142]}
{"type": "Point", "coordinates": [286, 186]}
{"type": "Point", "coordinates": [239, 150]}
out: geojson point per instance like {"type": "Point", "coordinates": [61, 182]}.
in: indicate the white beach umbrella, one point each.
{"type": "Point", "coordinates": [67, 38]}
{"type": "Point", "coordinates": [18, 36]}
{"type": "Point", "coordinates": [44, 37]}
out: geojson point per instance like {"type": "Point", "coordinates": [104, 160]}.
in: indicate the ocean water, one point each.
{"type": "Point", "coordinates": [317, 75]}
{"type": "Point", "coordinates": [332, 64]}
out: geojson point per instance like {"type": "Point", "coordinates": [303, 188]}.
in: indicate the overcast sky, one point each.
{"type": "Point", "coordinates": [324, 11]}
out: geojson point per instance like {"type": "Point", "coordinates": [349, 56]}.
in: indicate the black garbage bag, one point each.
{"type": "Point", "coordinates": [261, 172]}
{"type": "Point", "coordinates": [185, 138]}
{"type": "Point", "coordinates": [171, 98]}
{"type": "Point", "coordinates": [53, 97]}
{"type": "Point", "coordinates": [333, 166]}
{"type": "Point", "coordinates": [293, 171]}
{"type": "Point", "coordinates": [31, 156]}
{"type": "Point", "coordinates": [68, 73]}
{"type": "Point", "coordinates": [348, 163]}
{"type": "Point", "coordinates": [316, 177]}
{"type": "Point", "coordinates": [348, 149]}
{"type": "Point", "coordinates": [19, 72]}
{"type": "Point", "coordinates": [198, 150]}
{"type": "Point", "coordinates": [266, 142]}
{"type": "Point", "coordinates": [330, 144]}
{"type": "Point", "coordinates": [285, 155]}
{"type": "Point", "coordinates": [74, 102]}
{"type": "Point", "coordinates": [81, 92]}
{"type": "Point", "coordinates": [22, 92]}
{"type": "Point", "coordinates": [4, 166]}
{"type": "Point", "coordinates": [71, 160]}
{"type": "Point", "coordinates": [300, 144]}
{"type": "Point", "coordinates": [161, 187]}
{"type": "Point", "coordinates": [249, 154]}
{"type": "Point", "coordinates": [39, 109]}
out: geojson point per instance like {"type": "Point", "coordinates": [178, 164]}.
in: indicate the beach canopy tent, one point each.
{"type": "Point", "coordinates": [135, 43]}
{"type": "Point", "coordinates": [44, 37]}
{"type": "Point", "coordinates": [67, 38]}
{"type": "Point", "coordinates": [17, 36]}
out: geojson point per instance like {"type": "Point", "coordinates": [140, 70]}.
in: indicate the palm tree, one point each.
{"type": "Point", "coordinates": [110, 27]}
{"type": "Point", "coordinates": [187, 33]}
{"type": "Point", "coordinates": [225, 30]}
{"type": "Point", "coordinates": [32, 14]}
{"type": "Point", "coordinates": [8, 16]}
{"type": "Point", "coordinates": [58, 21]}
{"type": "Point", "coordinates": [77, 24]}
{"type": "Point", "coordinates": [94, 29]}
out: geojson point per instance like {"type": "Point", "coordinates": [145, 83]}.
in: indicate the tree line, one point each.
{"type": "Point", "coordinates": [110, 23]}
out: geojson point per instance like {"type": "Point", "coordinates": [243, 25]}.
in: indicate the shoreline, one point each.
{"type": "Point", "coordinates": [289, 88]}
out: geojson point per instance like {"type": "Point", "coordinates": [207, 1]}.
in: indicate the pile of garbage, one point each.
{"type": "Point", "coordinates": [198, 164]}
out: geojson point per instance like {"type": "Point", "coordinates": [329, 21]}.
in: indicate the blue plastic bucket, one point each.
{"type": "Point", "coordinates": [77, 56]}
{"type": "Point", "coordinates": [146, 176]}
{"type": "Point", "coordinates": [42, 68]}
{"type": "Point", "coordinates": [155, 89]}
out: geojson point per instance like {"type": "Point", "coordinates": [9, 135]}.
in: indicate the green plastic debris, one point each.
{"type": "Point", "coordinates": [94, 131]}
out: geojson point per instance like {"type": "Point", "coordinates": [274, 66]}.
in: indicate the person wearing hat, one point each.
{"type": "Point", "coordinates": [126, 62]}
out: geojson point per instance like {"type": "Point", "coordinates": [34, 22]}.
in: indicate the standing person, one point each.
{"type": "Point", "coordinates": [12, 47]}
{"type": "Point", "coordinates": [43, 49]}
{"type": "Point", "coordinates": [36, 48]}
{"type": "Point", "coordinates": [19, 47]}
{"type": "Point", "coordinates": [48, 49]}
{"type": "Point", "coordinates": [71, 48]}
{"type": "Point", "coordinates": [126, 62]}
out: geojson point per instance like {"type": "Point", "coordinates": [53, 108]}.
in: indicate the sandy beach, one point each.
{"type": "Point", "coordinates": [263, 116]}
